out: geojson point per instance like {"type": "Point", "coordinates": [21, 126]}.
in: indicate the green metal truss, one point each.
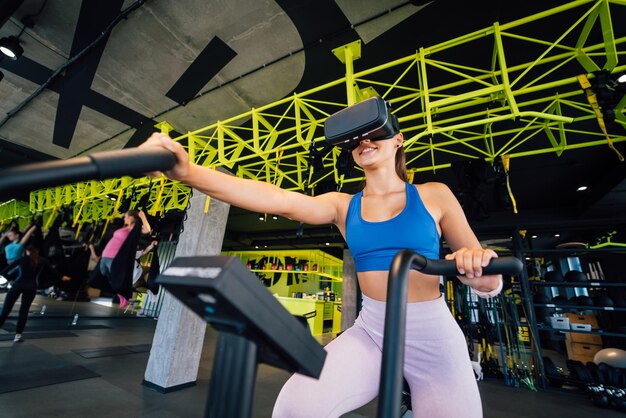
{"type": "Point", "coordinates": [497, 106]}
{"type": "Point", "coordinates": [467, 98]}
{"type": "Point", "coordinates": [14, 210]}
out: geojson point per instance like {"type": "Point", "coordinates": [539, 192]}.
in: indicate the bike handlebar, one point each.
{"type": "Point", "coordinates": [132, 162]}
{"type": "Point", "coordinates": [501, 265]}
{"type": "Point", "coordinates": [389, 398]}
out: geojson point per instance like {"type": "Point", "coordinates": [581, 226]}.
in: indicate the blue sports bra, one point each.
{"type": "Point", "coordinates": [374, 244]}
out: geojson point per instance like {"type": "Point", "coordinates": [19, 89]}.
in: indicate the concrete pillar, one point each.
{"type": "Point", "coordinates": [349, 292]}
{"type": "Point", "coordinates": [179, 337]}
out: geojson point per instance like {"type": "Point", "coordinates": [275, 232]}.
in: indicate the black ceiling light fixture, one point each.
{"type": "Point", "coordinates": [10, 46]}
{"type": "Point", "coordinates": [609, 89]}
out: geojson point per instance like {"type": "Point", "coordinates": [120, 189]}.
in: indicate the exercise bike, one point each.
{"type": "Point", "coordinates": [254, 327]}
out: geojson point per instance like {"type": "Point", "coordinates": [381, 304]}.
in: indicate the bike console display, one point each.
{"type": "Point", "coordinates": [228, 296]}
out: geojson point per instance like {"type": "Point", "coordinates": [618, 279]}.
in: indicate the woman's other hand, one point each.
{"type": "Point", "coordinates": [181, 168]}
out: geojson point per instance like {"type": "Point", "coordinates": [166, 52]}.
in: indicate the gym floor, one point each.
{"type": "Point", "coordinates": [110, 380]}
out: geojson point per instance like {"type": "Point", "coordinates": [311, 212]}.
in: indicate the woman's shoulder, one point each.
{"type": "Point", "coordinates": [434, 188]}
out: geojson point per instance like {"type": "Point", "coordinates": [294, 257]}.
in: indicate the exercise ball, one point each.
{"type": "Point", "coordinates": [611, 356]}
{"type": "Point", "coordinates": [575, 276]}
{"type": "Point", "coordinates": [585, 301]}
{"type": "Point", "coordinates": [560, 300]}
{"type": "Point", "coordinates": [603, 300]}
{"type": "Point", "coordinates": [553, 276]}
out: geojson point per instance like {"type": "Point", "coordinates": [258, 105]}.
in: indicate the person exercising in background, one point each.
{"type": "Point", "coordinates": [25, 273]}
{"type": "Point", "coordinates": [388, 215]}
{"type": "Point", "coordinates": [113, 246]}
{"type": "Point", "coordinates": [15, 248]}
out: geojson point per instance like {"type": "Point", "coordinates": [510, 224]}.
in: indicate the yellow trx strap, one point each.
{"type": "Point", "coordinates": [450, 289]}
{"type": "Point", "coordinates": [593, 102]}
{"type": "Point", "coordinates": [410, 175]}
{"type": "Point", "coordinates": [50, 218]}
{"type": "Point", "coordinates": [80, 211]}
{"type": "Point", "coordinates": [118, 202]}
{"type": "Point", "coordinates": [505, 163]}
{"type": "Point", "coordinates": [80, 226]}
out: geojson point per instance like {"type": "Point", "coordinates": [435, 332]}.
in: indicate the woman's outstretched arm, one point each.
{"type": "Point", "coordinates": [253, 195]}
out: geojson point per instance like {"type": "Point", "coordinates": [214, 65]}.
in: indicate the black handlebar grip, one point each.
{"type": "Point", "coordinates": [132, 162]}
{"type": "Point", "coordinates": [501, 265]}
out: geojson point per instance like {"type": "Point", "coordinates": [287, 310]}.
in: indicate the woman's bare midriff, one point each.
{"type": "Point", "coordinates": [422, 287]}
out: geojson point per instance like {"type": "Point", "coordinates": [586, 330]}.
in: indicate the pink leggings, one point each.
{"type": "Point", "coordinates": [436, 366]}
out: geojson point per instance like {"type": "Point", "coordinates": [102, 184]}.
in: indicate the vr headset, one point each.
{"type": "Point", "coordinates": [369, 119]}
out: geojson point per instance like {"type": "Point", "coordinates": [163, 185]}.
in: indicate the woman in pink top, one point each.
{"type": "Point", "coordinates": [113, 246]}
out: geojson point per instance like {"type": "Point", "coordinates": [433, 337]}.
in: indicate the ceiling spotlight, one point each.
{"type": "Point", "coordinates": [10, 46]}
{"type": "Point", "coordinates": [621, 78]}
{"type": "Point", "coordinates": [274, 217]}
{"type": "Point", "coordinates": [261, 216]}
{"type": "Point", "coordinates": [534, 236]}
{"type": "Point", "coordinates": [327, 243]}
{"type": "Point", "coordinates": [557, 235]}
{"type": "Point", "coordinates": [581, 189]}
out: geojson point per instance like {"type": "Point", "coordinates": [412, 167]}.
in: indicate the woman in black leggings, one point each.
{"type": "Point", "coordinates": [25, 272]}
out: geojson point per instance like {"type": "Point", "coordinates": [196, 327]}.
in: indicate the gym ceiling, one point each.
{"type": "Point", "coordinates": [99, 75]}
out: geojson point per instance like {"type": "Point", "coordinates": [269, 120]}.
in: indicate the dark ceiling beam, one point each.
{"type": "Point", "coordinates": [544, 222]}
{"type": "Point", "coordinates": [7, 8]}
{"type": "Point", "coordinates": [90, 34]}
{"type": "Point", "coordinates": [22, 153]}
{"type": "Point", "coordinates": [54, 76]}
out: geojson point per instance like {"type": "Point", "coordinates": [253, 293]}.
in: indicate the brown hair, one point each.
{"type": "Point", "coordinates": [134, 214]}
{"type": "Point", "coordinates": [401, 165]}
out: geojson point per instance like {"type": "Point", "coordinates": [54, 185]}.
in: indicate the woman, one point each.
{"type": "Point", "coordinates": [112, 247]}
{"type": "Point", "coordinates": [25, 272]}
{"type": "Point", "coordinates": [399, 215]}
{"type": "Point", "coordinates": [15, 248]}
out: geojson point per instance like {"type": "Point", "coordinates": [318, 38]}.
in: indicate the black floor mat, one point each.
{"type": "Point", "coordinates": [112, 351]}
{"type": "Point", "coordinates": [23, 366]}
{"type": "Point", "coordinates": [140, 348]}
{"type": "Point", "coordinates": [11, 382]}
{"type": "Point", "coordinates": [57, 326]}
{"type": "Point", "coordinates": [38, 335]}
